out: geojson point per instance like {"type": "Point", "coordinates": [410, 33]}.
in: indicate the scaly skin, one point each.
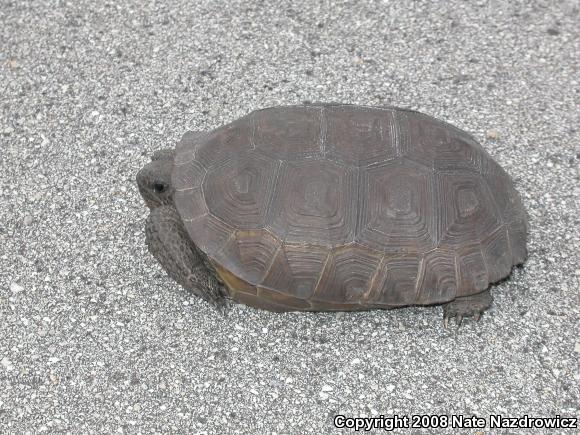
{"type": "Point", "coordinates": [467, 306]}
{"type": "Point", "coordinates": [167, 238]}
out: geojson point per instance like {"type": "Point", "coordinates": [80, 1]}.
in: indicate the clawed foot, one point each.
{"type": "Point", "coordinates": [467, 306]}
{"type": "Point", "coordinates": [211, 291]}
{"type": "Point", "coordinates": [222, 305]}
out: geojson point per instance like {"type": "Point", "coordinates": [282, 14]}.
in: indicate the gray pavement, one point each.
{"type": "Point", "coordinates": [95, 338]}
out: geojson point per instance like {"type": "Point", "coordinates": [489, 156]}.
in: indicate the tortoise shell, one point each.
{"type": "Point", "coordinates": [342, 207]}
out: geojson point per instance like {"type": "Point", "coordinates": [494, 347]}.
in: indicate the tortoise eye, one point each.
{"type": "Point", "coordinates": [159, 187]}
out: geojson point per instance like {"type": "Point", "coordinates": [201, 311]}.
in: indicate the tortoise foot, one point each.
{"type": "Point", "coordinates": [467, 306]}
{"type": "Point", "coordinates": [223, 306]}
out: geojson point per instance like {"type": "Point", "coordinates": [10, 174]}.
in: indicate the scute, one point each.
{"type": "Point", "coordinates": [225, 143]}
{"type": "Point", "coordinates": [360, 136]}
{"type": "Point", "coordinates": [438, 277]}
{"type": "Point", "coordinates": [318, 210]}
{"type": "Point", "coordinates": [396, 207]}
{"type": "Point", "coordinates": [241, 190]}
{"type": "Point", "coordinates": [510, 206]}
{"type": "Point", "coordinates": [396, 282]}
{"type": "Point", "coordinates": [326, 207]}
{"type": "Point", "coordinates": [467, 211]}
{"type": "Point", "coordinates": [348, 275]}
{"type": "Point", "coordinates": [288, 133]}
{"type": "Point", "coordinates": [208, 232]}
{"type": "Point", "coordinates": [438, 145]}
{"type": "Point", "coordinates": [249, 254]}
{"type": "Point", "coordinates": [296, 270]}
{"type": "Point", "coordinates": [497, 254]}
{"type": "Point", "coordinates": [472, 270]}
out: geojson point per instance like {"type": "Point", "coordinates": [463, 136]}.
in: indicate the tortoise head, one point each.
{"type": "Point", "coordinates": [154, 180]}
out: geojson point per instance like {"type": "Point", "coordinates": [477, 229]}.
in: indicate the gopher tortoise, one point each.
{"type": "Point", "coordinates": [334, 207]}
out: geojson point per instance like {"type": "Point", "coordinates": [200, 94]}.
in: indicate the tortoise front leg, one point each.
{"type": "Point", "coordinates": [170, 244]}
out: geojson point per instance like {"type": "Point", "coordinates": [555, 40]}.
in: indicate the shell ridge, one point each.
{"type": "Point", "coordinates": [321, 274]}
{"type": "Point", "coordinates": [420, 281]}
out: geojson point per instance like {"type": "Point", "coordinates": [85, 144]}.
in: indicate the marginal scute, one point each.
{"type": "Point", "coordinates": [438, 282]}
{"type": "Point", "coordinates": [348, 274]}
{"type": "Point", "coordinates": [473, 276]}
{"type": "Point", "coordinates": [511, 208]}
{"type": "Point", "coordinates": [317, 305]}
{"type": "Point", "coordinates": [360, 136]}
{"type": "Point", "coordinates": [318, 209]}
{"type": "Point", "coordinates": [504, 195]}
{"type": "Point", "coordinates": [235, 284]}
{"type": "Point", "coordinates": [249, 254]}
{"type": "Point", "coordinates": [208, 232]}
{"type": "Point", "coordinates": [497, 254]}
{"type": "Point", "coordinates": [291, 301]}
{"type": "Point", "coordinates": [518, 232]}
{"type": "Point", "coordinates": [396, 208]}
{"type": "Point", "coordinates": [192, 204]}
{"type": "Point", "coordinates": [396, 282]}
{"type": "Point", "coordinates": [296, 270]}
{"type": "Point", "coordinates": [240, 190]}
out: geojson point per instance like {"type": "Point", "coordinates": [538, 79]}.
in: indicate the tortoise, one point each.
{"type": "Point", "coordinates": [326, 207]}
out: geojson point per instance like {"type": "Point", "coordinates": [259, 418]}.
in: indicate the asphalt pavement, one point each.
{"type": "Point", "coordinates": [94, 338]}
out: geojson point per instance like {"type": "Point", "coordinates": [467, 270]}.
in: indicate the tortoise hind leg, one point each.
{"type": "Point", "coordinates": [467, 306]}
{"type": "Point", "coordinates": [170, 244]}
